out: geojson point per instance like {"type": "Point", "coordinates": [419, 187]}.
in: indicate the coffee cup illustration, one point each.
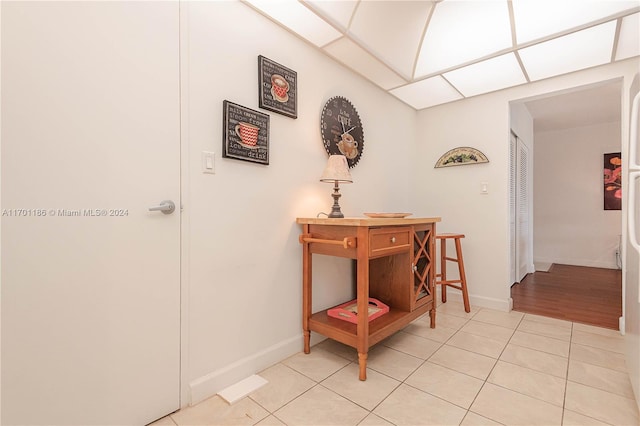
{"type": "Point", "coordinates": [279, 88]}
{"type": "Point", "coordinates": [248, 133]}
{"type": "Point", "coordinates": [348, 146]}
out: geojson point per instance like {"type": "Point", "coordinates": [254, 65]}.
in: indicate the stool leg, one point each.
{"type": "Point", "coordinates": [463, 277]}
{"type": "Point", "coordinates": [443, 268]}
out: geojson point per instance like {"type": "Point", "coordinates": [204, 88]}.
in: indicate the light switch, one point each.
{"type": "Point", "coordinates": [208, 162]}
{"type": "Point", "coordinates": [484, 187]}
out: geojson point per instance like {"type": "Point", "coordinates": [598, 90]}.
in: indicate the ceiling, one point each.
{"type": "Point", "coordinates": [596, 104]}
{"type": "Point", "coordinates": [428, 53]}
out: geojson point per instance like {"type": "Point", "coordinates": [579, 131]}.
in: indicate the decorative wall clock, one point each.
{"type": "Point", "coordinates": [341, 129]}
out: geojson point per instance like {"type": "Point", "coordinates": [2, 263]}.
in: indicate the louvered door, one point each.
{"type": "Point", "coordinates": [519, 208]}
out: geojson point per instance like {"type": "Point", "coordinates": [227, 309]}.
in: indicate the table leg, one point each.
{"type": "Point", "coordinates": [362, 360]}
{"type": "Point", "coordinates": [443, 268]}
{"type": "Point", "coordinates": [432, 316]}
{"type": "Point", "coordinates": [306, 292]}
{"type": "Point", "coordinates": [307, 340]}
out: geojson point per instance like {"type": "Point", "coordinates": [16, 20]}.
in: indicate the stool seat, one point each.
{"type": "Point", "coordinates": [449, 235]}
{"type": "Point", "coordinates": [441, 278]}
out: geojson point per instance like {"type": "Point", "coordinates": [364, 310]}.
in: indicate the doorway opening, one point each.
{"type": "Point", "coordinates": [569, 134]}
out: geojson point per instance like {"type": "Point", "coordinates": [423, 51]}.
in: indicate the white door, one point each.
{"type": "Point", "coordinates": [512, 209]}
{"type": "Point", "coordinates": [519, 195]}
{"type": "Point", "coordinates": [523, 238]}
{"type": "Point", "coordinates": [90, 277]}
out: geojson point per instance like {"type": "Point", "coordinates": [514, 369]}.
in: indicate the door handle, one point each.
{"type": "Point", "coordinates": [166, 207]}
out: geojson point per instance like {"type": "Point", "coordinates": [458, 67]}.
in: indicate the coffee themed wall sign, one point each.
{"type": "Point", "coordinates": [341, 129]}
{"type": "Point", "coordinates": [246, 133]}
{"type": "Point", "coordinates": [278, 89]}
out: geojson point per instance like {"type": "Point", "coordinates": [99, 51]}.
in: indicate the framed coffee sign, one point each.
{"type": "Point", "coordinates": [278, 88]}
{"type": "Point", "coordinates": [246, 133]}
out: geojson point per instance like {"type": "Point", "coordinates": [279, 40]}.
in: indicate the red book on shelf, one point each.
{"type": "Point", "coordinates": [349, 311]}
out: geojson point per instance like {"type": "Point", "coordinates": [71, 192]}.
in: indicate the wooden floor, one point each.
{"type": "Point", "coordinates": [574, 293]}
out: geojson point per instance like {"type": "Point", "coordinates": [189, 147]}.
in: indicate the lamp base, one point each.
{"type": "Point", "coordinates": [336, 213]}
{"type": "Point", "coordinates": [335, 209]}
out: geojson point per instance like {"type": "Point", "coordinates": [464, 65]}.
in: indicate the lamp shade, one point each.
{"type": "Point", "coordinates": [337, 170]}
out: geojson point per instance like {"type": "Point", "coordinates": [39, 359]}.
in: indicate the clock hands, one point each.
{"type": "Point", "coordinates": [347, 130]}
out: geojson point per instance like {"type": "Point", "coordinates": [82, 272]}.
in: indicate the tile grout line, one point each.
{"type": "Point", "coordinates": [468, 320]}
{"type": "Point", "coordinates": [441, 345]}
{"type": "Point", "coordinates": [566, 381]}
{"type": "Point", "coordinates": [403, 382]}
{"type": "Point", "coordinates": [572, 334]}
{"type": "Point", "coordinates": [491, 371]}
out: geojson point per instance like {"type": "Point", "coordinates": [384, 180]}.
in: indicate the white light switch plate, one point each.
{"type": "Point", "coordinates": [208, 162]}
{"type": "Point", "coordinates": [484, 187]}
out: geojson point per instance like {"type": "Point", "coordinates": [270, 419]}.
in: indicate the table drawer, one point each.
{"type": "Point", "coordinates": [386, 241]}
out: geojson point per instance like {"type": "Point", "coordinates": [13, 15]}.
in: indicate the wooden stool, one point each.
{"type": "Point", "coordinates": [443, 281]}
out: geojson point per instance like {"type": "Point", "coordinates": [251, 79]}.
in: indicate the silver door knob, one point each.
{"type": "Point", "coordinates": [166, 207]}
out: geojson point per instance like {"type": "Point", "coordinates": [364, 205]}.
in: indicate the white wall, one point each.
{"type": "Point", "coordinates": [244, 282]}
{"type": "Point", "coordinates": [453, 193]}
{"type": "Point", "coordinates": [571, 225]}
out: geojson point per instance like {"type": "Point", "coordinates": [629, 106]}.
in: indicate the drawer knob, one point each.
{"type": "Point", "coordinates": [393, 239]}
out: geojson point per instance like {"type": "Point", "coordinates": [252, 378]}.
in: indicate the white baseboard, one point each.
{"type": "Point", "coordinates": [621, 325]}
{"type": "Point", "coordinates": [475, 300]}
{"type": "Point", "coordinates": [212, 383]}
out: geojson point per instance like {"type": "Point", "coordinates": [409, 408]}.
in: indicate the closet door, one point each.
{"type": "Point", "coordinates": [523, 235]}
{"type": "Point", "coordinates": [512, 209]}
{"type": "Point", "coordinates": [519, 207]}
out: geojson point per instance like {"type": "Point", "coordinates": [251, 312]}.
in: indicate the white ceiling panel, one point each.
{"type": "Point", "coordinates": [536, 19]}
{"type": "Point", "coordinates": [462, 31]}
{"type": "Point", "coordinates": [579, 50]}
{"type": "Point", "coordinates": [358, 59]}
{"type": "Point", "coordinates": [428, 52]}
{"type": "Point", "coordinates": [487, 76]}
{"type": "Point", "coordinates": [392, 30]}
{"type": "Point", "coordinates": [293, 15]}
{"type": "Point", "coordinates": [629, 41]}
{"type": "Point", "coordinates": [337, 12]}
{"type": "Point", "coordinates": [426, 93]}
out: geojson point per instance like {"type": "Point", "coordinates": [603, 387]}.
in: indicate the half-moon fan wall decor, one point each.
{"type": "Point", "coordinates": [461, 156]}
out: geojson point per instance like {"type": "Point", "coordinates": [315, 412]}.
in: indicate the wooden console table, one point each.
{"type": "Point", "coordinates": [395, 264]}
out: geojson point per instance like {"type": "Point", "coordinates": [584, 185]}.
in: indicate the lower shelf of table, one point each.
{"type": "Point", "coordinates": [380, 328]}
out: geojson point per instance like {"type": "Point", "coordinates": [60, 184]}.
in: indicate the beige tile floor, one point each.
{"type": "Point", "coordinates": [482, 368]}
